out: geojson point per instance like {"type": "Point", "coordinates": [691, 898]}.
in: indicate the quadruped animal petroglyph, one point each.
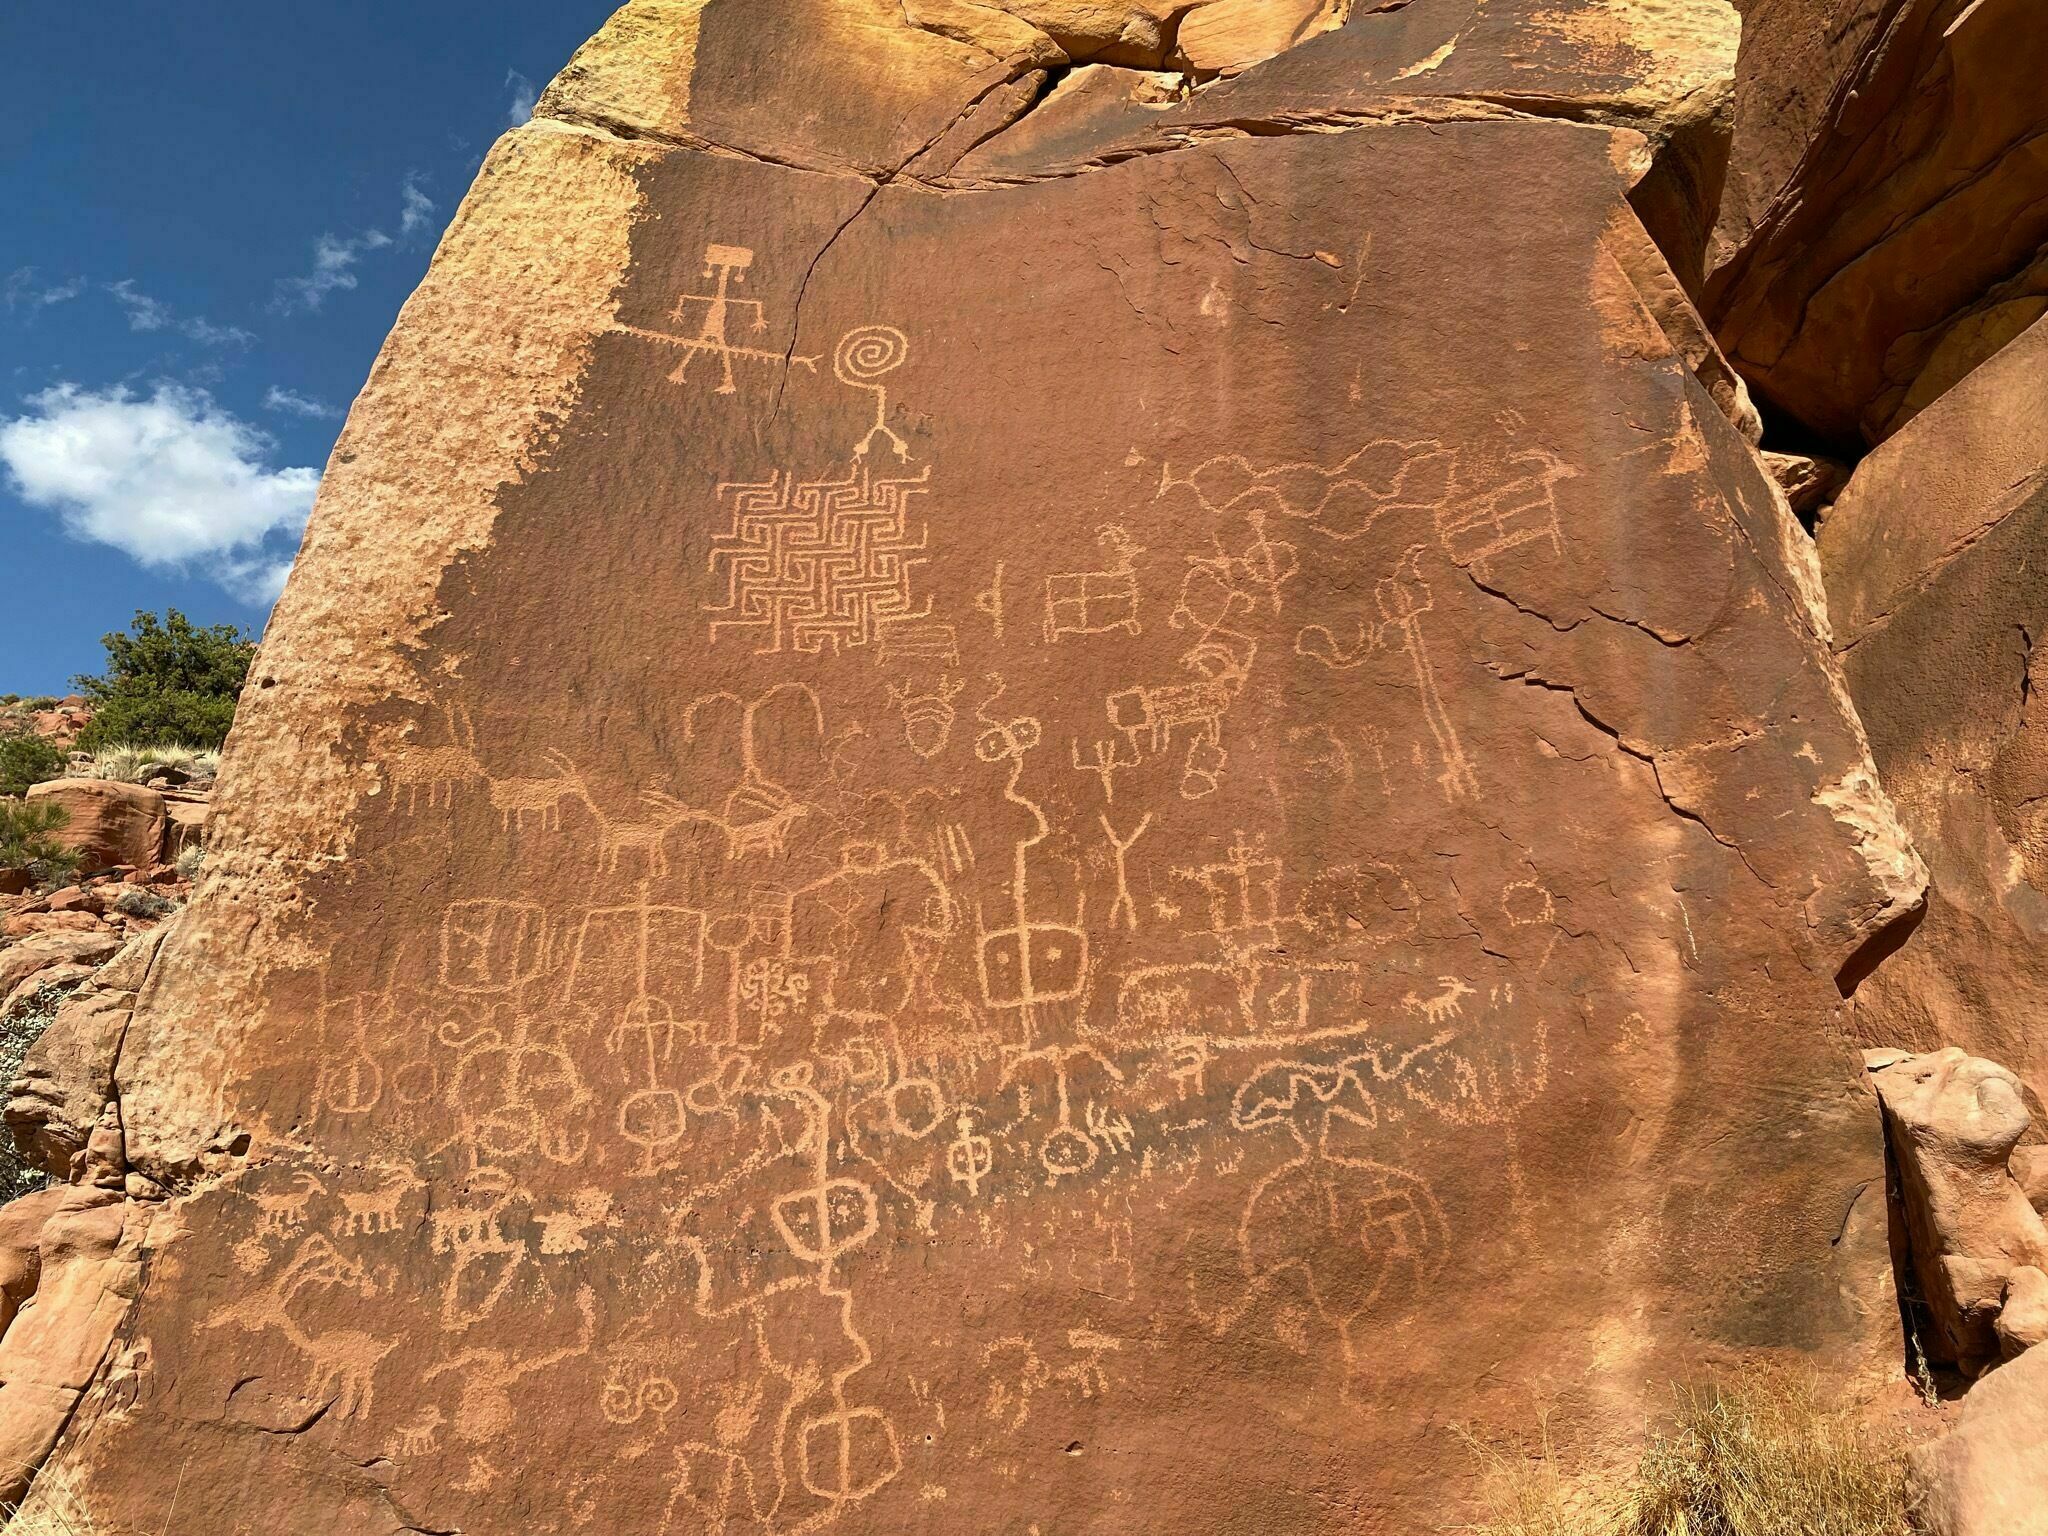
{"type": "Point", "coordinates": [922, 943]}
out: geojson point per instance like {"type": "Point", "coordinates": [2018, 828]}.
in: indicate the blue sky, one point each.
{"type": "Point", "coordinates": [213, 212]}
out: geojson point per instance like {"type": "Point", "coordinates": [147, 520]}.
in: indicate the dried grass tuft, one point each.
{"type": "Point", "coordinates": [1761, 1454]}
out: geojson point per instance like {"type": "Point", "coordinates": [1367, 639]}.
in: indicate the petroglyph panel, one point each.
{"type": "Point", "coordinates": [1125, 868]}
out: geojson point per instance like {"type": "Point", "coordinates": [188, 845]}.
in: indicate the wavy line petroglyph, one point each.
{"type": "Point", "coordinates": [824, 988]}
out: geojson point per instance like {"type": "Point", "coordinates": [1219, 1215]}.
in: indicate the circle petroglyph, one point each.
{"type": "Point", "coordinates": [867, 352]}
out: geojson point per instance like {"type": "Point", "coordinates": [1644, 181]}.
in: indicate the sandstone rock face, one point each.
{"type": "Point", "coordinates": [1663, 69]}
{"type": "Point", "coordinates": [21, 1252]}
{"type": "Point", "coordinates": [925, 851]}
{"type": "Point", "coordinates": [67, 1077]}
{"type": "Point", "coordinates": [1954, 1120]}
{"type": "Point", "coordinates": [1883, 229]}
{"type": "Point", "coordinates": [1932, 558]}
{"type": "Point", "coordinates": [111, 822]}
{"type": "Point", "coordinates": [1988, 1476]}
{"type": "Point", "coordinates": [22, 960]}
{"type": "Point", "coordinates": [90, 1249]}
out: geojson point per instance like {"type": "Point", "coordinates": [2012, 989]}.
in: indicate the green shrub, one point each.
{"type": "Point", "coordinates": [167, 681]}
{"type": "Point", "coordinates": [27, 759]}
{"type": "Point", "coordinates": [28, 841]}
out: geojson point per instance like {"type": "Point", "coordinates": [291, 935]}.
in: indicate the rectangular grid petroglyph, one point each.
{"type": "Point", "coordinates": [817, 564]}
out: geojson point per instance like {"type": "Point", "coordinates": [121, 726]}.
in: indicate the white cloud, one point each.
{"type": "Point", "coordinates": [334, 261]}
{"type": "Point", "coordinates": [207, 334]}
{"type": "Point", "coordinates": [523, 98]}
{"type": "Point", "coordinates": [416, 213]}
{"type": "Point", "coordinates": [144, 313]}
{"type": "Point", "coordinates": [148, 314]}
{"type": "Point", "coordinates": [172, 481]}
{"type": "Point", "coordinates": [22, 289]}
{"type": "Point", "coordinates": [289, 402]}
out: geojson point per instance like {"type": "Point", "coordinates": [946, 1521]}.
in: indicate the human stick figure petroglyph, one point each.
{"type": "Point", "coordinates": [865, 356]}
{"type": "Point", "coordinates": [1108, 758]}
{"type": "Point", "coordinates": [726, 266]}
{"type": "Point", "coordinates": [1122, 849]}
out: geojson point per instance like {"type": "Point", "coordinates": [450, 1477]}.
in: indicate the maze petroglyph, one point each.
{"type": "Point", "coordinates": [1075, 937]}
{"type": "Point", "coordinates": [819, 565]}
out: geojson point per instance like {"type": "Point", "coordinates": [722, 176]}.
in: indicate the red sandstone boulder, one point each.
{"type": "Point", "coordinates": [1954, 1120]}
{"type": "Point", "coordinates": [1932, 557]}
{"type": "Point", "coordinates": [184, 821]}
{"type": "Point", "coordinates": [1883, 229]}
{"type": "Point", "coordinates": [52, 922]}
{"type": "Point", "coordinates": [89, 1270]}
{"type": "Point", "coordinates": [1249, 844]}
{"type": "Point", "coordinates": [111, 822]}
{"type": "Point", "coordinates": [1988, 1477]}
{"type": "Point", "coordinates": [21, 960]}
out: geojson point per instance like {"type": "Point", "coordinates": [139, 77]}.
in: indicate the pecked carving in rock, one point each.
{"type": "Point", "coordinates": [1954, 1120]}
{"type": "Point", "coordinates": [1080, 851]}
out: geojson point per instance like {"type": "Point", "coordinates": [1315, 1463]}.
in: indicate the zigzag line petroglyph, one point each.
{"type": "Point", "coordinates": [1341, 501]}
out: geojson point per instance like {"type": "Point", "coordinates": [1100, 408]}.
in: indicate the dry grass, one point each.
{"type": "Point", "coordinates": [1758, 1455]}
{"type": "Point", "coordinates": [126, 760]}
{"type": "Point", "coordinates": [51, 1508]}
